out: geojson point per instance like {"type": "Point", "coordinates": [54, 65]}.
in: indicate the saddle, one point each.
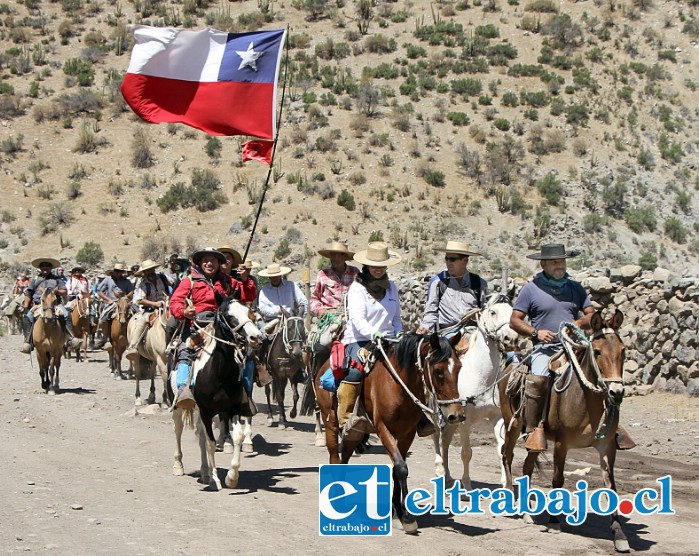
{"type": "Point", "coordinates": [152, 318]}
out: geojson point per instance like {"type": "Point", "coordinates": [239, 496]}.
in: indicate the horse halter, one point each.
{"type": "Point", "coordinates": [298, 333]}
{"type": "Point", "coordinates": [427, 371]}
{"type": "Point", "coordinates": [47, 311]}
{"type": "Point", "coordinates": [122, 309]}
{"type": "Point", "coordinates": [492, 334]}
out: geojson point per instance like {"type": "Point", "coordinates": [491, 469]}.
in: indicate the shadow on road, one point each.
{"type": "Point", "coordinates": [79, 390]}
{"type": "Point", "coordinates": [267, 479]}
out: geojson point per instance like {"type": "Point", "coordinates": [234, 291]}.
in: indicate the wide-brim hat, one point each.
{"type": "Point", "coordinates": [274, 269]}
{"type": "Point", "coordinates": [120, 266]}
{"type": "Point", "coordinates": [77, 268]}
{"type": "Point", "coordinates": [237, 257]}
{"type": "Point", "coordinates": [460, 248]}
{"type": "Point", "coordinates": [336, 247]}
{"type": "Point", "coordinates": [200, 253]}
{"type": "Point", "coordinates": [553, 251]}
{"type": "Point", "coordinates": [147, 265]}
{"type": "Point", "coordinates": [36, 263]}
{"type": "Point", "coordinates": [377, 253]}
{"type": "Point", "coordinates": [249, 263]}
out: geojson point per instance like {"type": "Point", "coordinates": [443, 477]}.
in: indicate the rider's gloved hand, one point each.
{"type": "Point", "coordinates": [378, 335]}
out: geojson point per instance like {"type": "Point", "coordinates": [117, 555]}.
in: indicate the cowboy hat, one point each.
{"type": "Point", "coordinates": [274, 270]}
{"type": "Point", "coordinates": [552, 251]}
{"type": "Point", "coordinates": [377, 254]}
{"type": "Point", "coordinates": [249, 263]}
{"type": "Point", "coordinates": [120, 266]}
{"type": "Point", "coordinates": [336, 247]}
{"type": "Point", "coordinates": [36, 263]}
{"type": "Point", "coordinates": [77, 268]}
{"type": "Point", "coordinates": [201, 253]}
{"type": "Point", "coordinates": [147, 265]}
{"type": "Point", "coordinates": [237, 257]}
{"type": "Point", "coordinates": [460, 248]}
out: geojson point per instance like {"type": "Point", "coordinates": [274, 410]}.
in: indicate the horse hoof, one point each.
{"type": "Point", "coordinates": [410, 528]}
{"type": "Point", "coordinates": [320, 442]}
{"type": "Point", "coordinates": [282, 427]}
{"type": "Point", "coordinates": [622, 545]}
{"type": "Point", "coordinates": [247, 448]}
{"type": "Point", "coordinates": [138, 402]}
{"type": "Point", "coordinates": [177, 470]}
{"type": "Point", "coordinates": [528, 519]}
{"type": "Point", "coordinates": [51, 392]}
{"type": "Point", "coordinates": [554, 528]}
{"type": "Point", "coordinates": [227, 448]}
{"type": "Point", "coordinates": [292, 414]}
{"type": "Point", "coordinates": [232, 480]}
{"type": "Point", "coordinates": [270, 421]}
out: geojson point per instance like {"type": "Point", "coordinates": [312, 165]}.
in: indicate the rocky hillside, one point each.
{"type": "Point", "coordinates": [506, 124]}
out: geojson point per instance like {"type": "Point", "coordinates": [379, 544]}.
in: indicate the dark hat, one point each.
{"type": "Point", "coordinates": [200, 253]}
{"type": "Point", "coordinates": [552, 251]}
{"type": "Point", "coordinates": [78, 268]}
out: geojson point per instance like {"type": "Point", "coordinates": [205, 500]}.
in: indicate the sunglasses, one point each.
{"type": "Point", "coordinates": [454, 259]}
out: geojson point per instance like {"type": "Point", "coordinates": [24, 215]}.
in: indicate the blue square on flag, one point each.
{"type": "Point", "coordinates": [355, 500]}
{"type": "Point", "coordinates": [251, 57]}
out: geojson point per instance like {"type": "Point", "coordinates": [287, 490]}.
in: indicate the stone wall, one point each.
{"type": "Point", "coordinates": [661, 320]}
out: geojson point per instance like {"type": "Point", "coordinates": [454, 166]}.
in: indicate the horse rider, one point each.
{"type": "Point", "coordinates": [278, 294]}
{"type": "Point", "coordinates": [550, 299]}
{"type": "Point", "coordinates": [148, 296]}
{"type": "Point", "coordinates": [77, 286]}
{"type": "Point", "coordinates": [17, 296]}
{"type": "Point", "coordinates": [21, 284]}
{"type": "Point", "coordinates": [61, 275]}
{"type": "Point", "coordinates": [373, 312]}
{"type": "Point", "coordinates": [239, 275]}
{"type": "Point", "coordinates": [32, 297]}
{"type": "Point", "coordinates": [195, 302]}
{"type": "Point", "coordinates": [113, 287]}
{"type": "Point", "coordinates": [175, 271]}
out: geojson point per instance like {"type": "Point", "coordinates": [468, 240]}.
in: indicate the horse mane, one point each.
{"type": "Point", "coordinates": [498, 297]}
{"type": "Point", "coordinates": [408, 345]}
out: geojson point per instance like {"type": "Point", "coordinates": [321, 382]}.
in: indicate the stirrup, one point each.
{"type": "Point", "coordinates": [185, 399]}
{"type": "Point", "coordinates": [536, 441]}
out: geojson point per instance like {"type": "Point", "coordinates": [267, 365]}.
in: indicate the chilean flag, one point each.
{"type": "Point", "coordinates": [221, 83]}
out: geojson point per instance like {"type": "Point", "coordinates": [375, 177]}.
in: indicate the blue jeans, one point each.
{"type": "Point", "coordinates": [541, 354]}
{"type": "Point", "coordinates": [351, 350]}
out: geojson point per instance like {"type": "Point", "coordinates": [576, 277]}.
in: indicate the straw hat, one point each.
{"type": "Point", "coordinates": [460, 248]}
{"type": "Point", "coordinates": [336, 247]}
{"type": "Point", "coordinates": [147, 265]}
{"type": "Point", "coordinates": [249, 263]}
{"type": "Point", "coordinates": [377, 254]}
{"type": "Point", "coordinates": [552, 251]}
{"type": "Point", "coordinates": [36, 263]}
{"type": "Point", "coordinates": [237, 257]}
{"type": "Point", "coordinates": [120, 266]}
{"type": "Point", "coordinates": [274, 270]}
{"type": "Point", "coordinates": [199, 254]}
{"type": "Point", "coordinates": [77, 268]}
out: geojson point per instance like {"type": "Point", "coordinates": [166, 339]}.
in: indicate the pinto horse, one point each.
{"type": "Point", "coordinates": [48, 337]}
{"type": "Point", "coordinates": [218, 389]}
{"type": "Point", "coordinates": [118, 335]}
{"type": "Point", "coordinates": [151, 353]}
{"type": "Point", "coordinates": [285, 358]}
{"type": "Point", "coordinates": [82, 326]}
{"type": "Point", "coordinates": [583, 410]}
{"type": "Point", "coordinates": [418, 372]}
{"type": "Point", "coordinates": [478, 379]}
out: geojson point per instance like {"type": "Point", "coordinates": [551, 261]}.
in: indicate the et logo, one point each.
{"type": "Point", "coordinates": [354, 500]}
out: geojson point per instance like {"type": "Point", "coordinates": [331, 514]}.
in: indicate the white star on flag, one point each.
{"type": "Point", "coordinates": [248, 57]}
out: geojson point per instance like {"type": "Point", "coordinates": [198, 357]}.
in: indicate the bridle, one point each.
{"type": "Point", "coordinates": [122, 309]}
{"type": "Point", "coordinates": [47, 310]}
{"type": "Point", "coordinates": [298, 335]}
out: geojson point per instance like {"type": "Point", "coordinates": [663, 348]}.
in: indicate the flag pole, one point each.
{"type": "Point", "coordinates": [274, 148]}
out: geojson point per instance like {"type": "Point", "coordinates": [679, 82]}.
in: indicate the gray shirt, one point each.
{"type": "Point", "coordinates": [39, 284]}
{"type": "Point", "coordinates": [110, 288]}
{"type": "Point", "coordinates": [457, 300]}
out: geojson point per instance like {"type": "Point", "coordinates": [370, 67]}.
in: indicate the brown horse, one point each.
{"type": "Point", "coordinates": [152, 353]}
{"type": "Point", "coordinates": [583, 409]}
{"type": "Point", "coordinates": [117, 335]}
{"type": "Point", "coordinates": [416, 368]}
{"type": "Point", "coordinates": [48, 337]}
{"type": "Point", "coordinates": [80, 316]}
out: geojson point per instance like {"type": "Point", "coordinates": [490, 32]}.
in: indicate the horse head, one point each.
{"type": "Point", "coordinates": [293, 334]}
{"type": "Point", "coordinates": [440, 365]}
{"type": "Point", "coordinates": [123, 308]}
{"type": "Point", "coordinates": [241, 320]}
{"type": "Point", "coordinates": [494, 321]}
{"type": "Point", "coordinates": [608, 352]}
{"type": "Point", "coordinates": [48, 304]}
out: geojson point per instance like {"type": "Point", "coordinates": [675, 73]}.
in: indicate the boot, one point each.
{"type": "Point", "coordinates": [623, 439]}
{"type": "Point", "coordinates": [27, 330]}
{"type": "Point", "coordinates": [262, 376]}
{"type": "Point", "coordinates": [535, 391]}
{"type": "Point", "coordinates": [72, 341]}
{"type": "Point", "coordinates": [425, 427]}
{"type": "Point", "coordinates": [139, 330]}
{"type": "Point", "coordinates": [347, 394]}
{"type": "Point", "coordinates": [105, 328]}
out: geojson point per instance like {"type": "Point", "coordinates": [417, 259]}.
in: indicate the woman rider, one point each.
{"type": "Point", "coordinates": [373, 312]}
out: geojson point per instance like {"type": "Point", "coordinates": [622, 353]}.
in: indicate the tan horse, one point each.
{"type": "Point", "coordinates": [80, 316]}
{"type": "Point", "coordinates": [48, 337]}
{"type": "Point", "coordinates": [117, 335]}
{"type": "Point", "coordinates": [150, 352]}
{"type": "Point", "coordinates": [583, 411]}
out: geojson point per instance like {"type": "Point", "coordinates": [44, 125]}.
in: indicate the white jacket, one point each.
{"type": "Point", "coordinates": [366, 315]}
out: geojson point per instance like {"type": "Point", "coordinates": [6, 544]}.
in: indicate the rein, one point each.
{"type": "Point", "coordinates": [299, 331]}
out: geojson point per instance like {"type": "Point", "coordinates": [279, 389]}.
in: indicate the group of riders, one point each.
{"type": "Point", "coordinates": [362, 304]}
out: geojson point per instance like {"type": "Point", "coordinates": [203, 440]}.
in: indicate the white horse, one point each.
{"type": "Point", "coordinates": [478, 377]}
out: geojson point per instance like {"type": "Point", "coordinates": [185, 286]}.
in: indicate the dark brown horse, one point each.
{"type": "Point", "coordinates": [583, 409]}
{"type": "Point", "coordinates": [424, 368]}
{"type": "Point", "coordinates": [118, 335]}
{"type": "Point", "coordinates": [48, 337]}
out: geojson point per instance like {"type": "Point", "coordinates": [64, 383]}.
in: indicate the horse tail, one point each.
{"type": "Point", "coordinates": [188, 418]}
{"type": "Point", "coordinates": [308, 402]}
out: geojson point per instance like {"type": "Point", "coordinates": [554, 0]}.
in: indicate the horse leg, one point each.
{"type": "Point", "coordinates": [280, 387]}
{"type": "Point", "coordinates": [400, 477]}
{"type": "Point", "coordinates": [247, 435]}
{"type": "Point", "coordinates": [207, 449]}
{"type": "Point", "coordinates": [528, 469]}
{"type": "Point", "coordinates": [270, 416]}
{"type": "Point", "coordinates": [57, 376]}
{"type": "Point", "coordinates": [223, 431]}
{"type": "Point", "coordinates": [234, 472]}
{"type": "Point", "coordinates": [151, 371]}
{"type": "Point", "coordinates": [499, 432]}
{"type": "Point", "coordinates": [466, 450]}
{"type": "Point", "coordinates": [295, 392]}
{"type": "Point", "coordinates": [177, 468]}
{"type": "Point", "coordinates": [320, 440]}
{"type": "Point", "coordinates": [560, 452]}
{"type": "Point", "coordinates": [607, 454]}
{"type": "Point", "coordinates": [442, 441]}
{"type": "Point", "coordinates": [137, 377]}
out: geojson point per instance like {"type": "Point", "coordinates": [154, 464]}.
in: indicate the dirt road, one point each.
{"type": "Point", "coordinates": [83, 474]}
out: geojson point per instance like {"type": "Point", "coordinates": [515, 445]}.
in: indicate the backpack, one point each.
{"type": "Point", "coordinates": [474, 280]}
